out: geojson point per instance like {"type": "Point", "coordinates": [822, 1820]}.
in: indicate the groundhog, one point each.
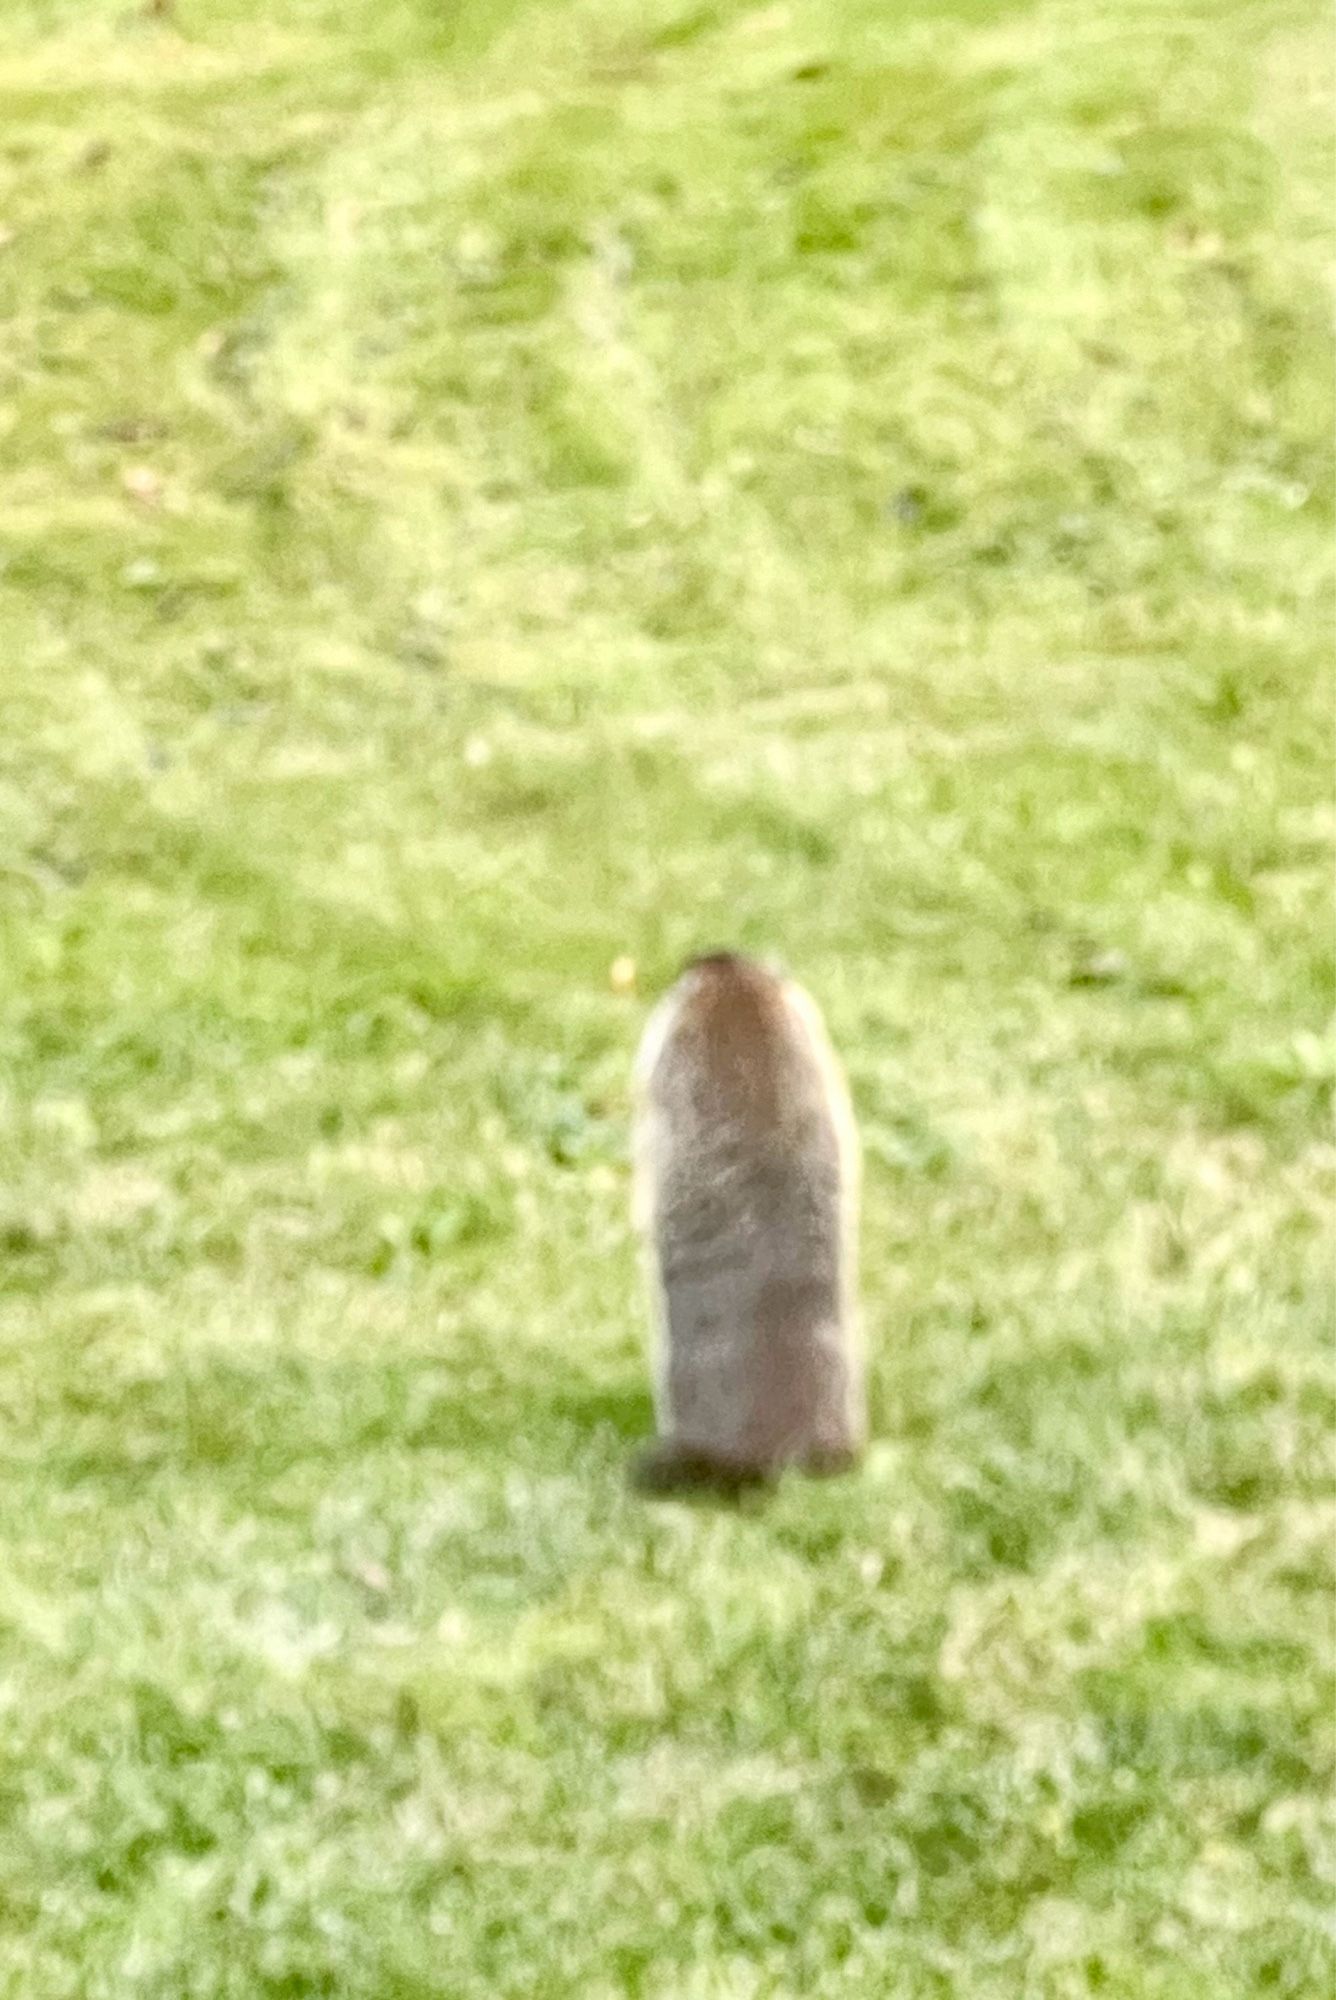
{"type": "Point", "coordinates": [747, 1185]}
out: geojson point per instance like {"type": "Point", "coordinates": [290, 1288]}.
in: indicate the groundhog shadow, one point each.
{"type": "Point", "coordinates": [663, 1470]}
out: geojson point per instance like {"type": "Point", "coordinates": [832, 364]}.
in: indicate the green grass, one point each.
{"type": "Point", "coordinates": [489, 488]}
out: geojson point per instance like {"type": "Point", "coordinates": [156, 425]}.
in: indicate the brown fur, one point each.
{"type": "Point", "coordinates": [747, 1178]}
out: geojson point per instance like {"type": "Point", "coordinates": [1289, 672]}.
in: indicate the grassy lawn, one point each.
{"type": "Point", "coordinates": [487, 489]}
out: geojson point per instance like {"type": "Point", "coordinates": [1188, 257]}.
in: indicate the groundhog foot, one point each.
{"type": "Point", "coordinates": [828, 1461]}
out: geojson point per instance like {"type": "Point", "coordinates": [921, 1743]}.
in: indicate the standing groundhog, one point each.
{"type": "Point", "coordinates": [747, 1178]}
